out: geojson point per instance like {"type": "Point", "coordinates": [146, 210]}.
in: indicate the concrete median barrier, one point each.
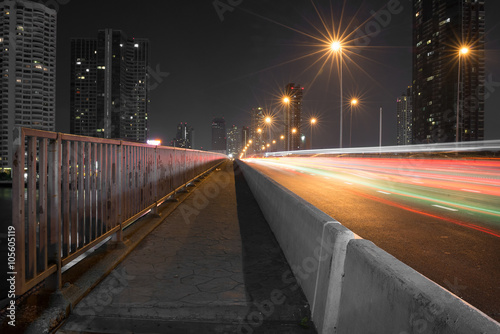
{"type": "Point", "coordinates": [352, 285]}
{"type": "Point", "coordinates": [380, 294]}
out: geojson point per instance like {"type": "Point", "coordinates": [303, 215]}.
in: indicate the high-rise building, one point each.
{"type": "Point", "coordinates": [184, 137]}
{"type": "Point", "coordinates": [110, 86]}
{"type": "Point", "coordinates": [234, 141]}
{"type": "Point", "coordinates": [256, 128]}
{"type": "Point", "coordinates": [28, 70]}
{"type": "Point", "coordinates": [83, 100]}
{"type": "Point", "coordinates": [404, 118]}
{"type": "Point", "coordinates": [135, 124]}
{"type": "Point", "coordinates": [293, 116]}
{"type": "Point", "coordinates": [245, 136]}
{"type": "Point", "coordinates": [219, 135]}
{"type": "Point", "coordinates": [443, 77]}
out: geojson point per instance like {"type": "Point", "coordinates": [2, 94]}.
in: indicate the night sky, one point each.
{"type": "Point", "coordinates": [208, 67]}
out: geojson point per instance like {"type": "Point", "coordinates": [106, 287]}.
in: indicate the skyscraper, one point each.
{"type": "Point", "coordinates": [245, 136]}
{"type": "Point", "coordinates": [293, 116]}
{"type": "Point", "coordinates": [110, 86]}
{"type": "Point", "coordinates": [444, 78]}
{"type": "Point", "coordinates": [404, 118]}
{"type": "Point", "coordinates": [184, 137]}
{"type": "Point", "coordinates": [256, 123]}
{"type": "Point", "coordinates": [219, 135]}
{"type": "Point", "coordinates": [28, 70]}
{"type": "Point", "coordinates": [234, 141]}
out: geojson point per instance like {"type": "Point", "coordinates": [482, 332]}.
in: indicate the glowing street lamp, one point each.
{"type": "Point", "coordinates": [286, 100]}
{"type": "Point", "coordinates": [268, 120]}
{"type": "Point", "coordinates": [462, 52]}
{"type": "Point", "coordinates": [313, 121]}
{"type": "Point", "coordinates": [354, 102]}
{"type": "Point", "coordinates": [336, 47]}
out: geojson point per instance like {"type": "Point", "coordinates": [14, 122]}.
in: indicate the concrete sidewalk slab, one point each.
{"type": "Point", "coordinates": [212, 264]}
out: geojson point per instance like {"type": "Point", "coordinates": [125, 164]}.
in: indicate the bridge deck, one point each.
{"type": "Point", "coordinates": [212, 266]}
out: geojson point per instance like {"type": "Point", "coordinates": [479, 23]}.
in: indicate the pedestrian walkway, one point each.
{"type": "Point", "coordinates": [212, 266]}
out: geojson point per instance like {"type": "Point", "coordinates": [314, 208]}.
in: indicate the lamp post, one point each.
{"type": "Point", "coordinates": [462, 52]}
{"type": "Point", "coordinates": [286, 100]}
{"type": "Point", "coordinates": [313, 121]}
{"type": "Point", "coordinates": [268, 121]}
{"type": "Point", "coordinates": [353, 103]}
{"type": "Point", "coordinates": [337, 48]}
{"type": "Point", "coordinates": [380, 131]}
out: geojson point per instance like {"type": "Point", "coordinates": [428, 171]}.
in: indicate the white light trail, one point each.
{"type": "Point", "coordinates": [444, 207]}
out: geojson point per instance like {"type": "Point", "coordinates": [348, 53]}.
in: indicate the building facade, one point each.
{"type": "Point", "coordinates": [256, 129]}
{"type": "Point", "coordinates": [27, 69]}
{"type": "Point", "coordinates": [184, 137]}
{"type": "Point", "coordinates": [293, 116]}
{"type": "Point", "coordinates": [404, 118]}
{"type": "Point", "coordinates": [448, 86]}
{"type": "Point", "coordinates": [110, 86]}
{"type": "Point", "coordinates": [234, 141]}
{"type": "Point", "coordinates": [219, 135]}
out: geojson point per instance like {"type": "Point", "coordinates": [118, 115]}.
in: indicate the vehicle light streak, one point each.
{"type": "Point", "coordinates": [453, 221]}
{"type": "Point", "coordinates": [444, 207]}
{"type": "Point", "coordinates": [340, 168]}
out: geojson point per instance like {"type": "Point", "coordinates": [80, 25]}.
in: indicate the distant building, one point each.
{"type": "Point", "coordinates": [440, 29]}
{"type": "Point", "coordinates": [110, 86]}
{"type": "Point", "coordinates": [293, 117]}
{"type": "Point", "coordinates": [245, 135]}
{"type": "Point", "coordinates": [28, 70]}
{"type": "Point", "coordinates": [219, 135]}
{"type": "Point", "coordinates": [234, 141]}
{"type": "Point", "coordinates": [256, 128]}
{"type": "Point", "coordinates": [184, 137]}
{"type": "Point", "coordinates": [404, 118]}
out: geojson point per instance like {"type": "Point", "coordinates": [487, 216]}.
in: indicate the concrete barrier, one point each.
{"type": "Point", "coordinates": [380, 294]}
{"type": "Point", "coordinates": [352, 285]}
{"type": "Point", "coordinates": [314, 244]}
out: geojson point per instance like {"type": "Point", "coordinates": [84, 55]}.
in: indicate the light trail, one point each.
{"type": "Point", "coordinates": [417, 179]}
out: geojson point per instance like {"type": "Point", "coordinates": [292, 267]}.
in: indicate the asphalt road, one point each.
{"type": "Point", "coordinates": [440, 217]}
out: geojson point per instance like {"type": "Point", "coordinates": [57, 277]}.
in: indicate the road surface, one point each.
{"type": "Point", "coordinates": [440, 217]}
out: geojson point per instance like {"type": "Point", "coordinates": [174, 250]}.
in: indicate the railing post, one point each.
{"type": "Point", "coordinates": [118, 237]}
{"type": "Point", "coordinates": [54, 191]}
{"type": "Point", "coordinates": [155, 178]}
{"type": "Point", "coordinates": [18, 212]}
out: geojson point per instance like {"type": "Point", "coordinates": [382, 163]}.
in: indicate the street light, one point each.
{"type": "Point", "coordinates": [462, 52]}
{"type": "Point", "coordinates": [286, 100]}
{"type": "Point", "coordinates": [354, 102]}
{"type": "Point", "coordinates": [294, 131]}
{"type": "Point", "coordinates": [269, 121]}
{"type": "Point", "coordinates": [336, 47]}
{"type": "Point", "coordinates": [313, 121]}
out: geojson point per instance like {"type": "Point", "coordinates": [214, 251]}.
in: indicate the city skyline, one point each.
{"type": "Point", "coordinates": [180, 72]}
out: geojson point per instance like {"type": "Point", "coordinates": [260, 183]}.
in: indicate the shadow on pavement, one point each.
{"type": "Point", "coordinates": [278, 303]}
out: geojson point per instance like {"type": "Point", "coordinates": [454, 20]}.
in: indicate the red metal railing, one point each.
{"type": "Point", "coordinates": [72, 192]}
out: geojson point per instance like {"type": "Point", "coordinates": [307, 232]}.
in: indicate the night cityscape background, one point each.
{"type": "Point", "coordinates": [207, 67]}
{"type": "Point", "coordinates": [93, 94]}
